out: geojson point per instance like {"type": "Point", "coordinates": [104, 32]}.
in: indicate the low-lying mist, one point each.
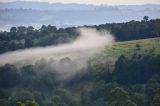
{"type": "Point", "coordinates": [78, 52]}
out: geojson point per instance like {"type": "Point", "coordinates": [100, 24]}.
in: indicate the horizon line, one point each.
{"type": "Point", "coordinates": [81, 3]}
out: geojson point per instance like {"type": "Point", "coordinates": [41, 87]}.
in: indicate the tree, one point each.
{"type": "Point", "coordinates": [22, 29]}
{"type": "Point", "coordinates": [9, 76]}
{"type": "Point", "coordinates": [62, 97]}
{"type": "Point", "coordinates": [118, 94]}
{"type": "Point", "coordinates": [51, 28]}
{"type": "Point", "coordinates": [156, 99]}
{"type": "Point", "coordinates": [138, 47]}
{"type": "Point", "coordinates": [140, 99]}
{"type": "Point", "coordinates": [121, 69]}
{"type": "Point", "coordinates": [28, 103]}
{"type": "Point", "coordinates": [130, 103]}
{"type": "Point", "coordinates": [20, 45]}
{"type": "Point", "coordinates": [31, 103]}
{"type": "Point", "coordinates": [13, 29]}
{"type": "Point", "coordinates": [20, 104]}
{"type": "Point", "coordinates": [28, 42]}
{"type": "Point", "coordinates": [119, 97]}
{"type": "Point", "coordinates": [145, 18]}
{"type": "Point", "coordinates": [30, 29]}
{"type": "Point", "coordinates": [12, 45]}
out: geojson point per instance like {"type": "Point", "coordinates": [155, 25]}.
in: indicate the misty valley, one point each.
{"type": "Point", "coordinates": [92, 64]}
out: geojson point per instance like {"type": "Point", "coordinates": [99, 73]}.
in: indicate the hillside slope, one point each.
{"type": "Point", "coordinates": [128, 48]}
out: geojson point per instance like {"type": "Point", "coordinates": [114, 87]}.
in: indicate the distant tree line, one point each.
{"type": "Point", "coordinates": [26, 37]}
{"type": "Point", "coordinates": [133, 30]}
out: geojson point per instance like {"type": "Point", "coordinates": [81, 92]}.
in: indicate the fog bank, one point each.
{"type": "Point", "coordinates": [84, 47]}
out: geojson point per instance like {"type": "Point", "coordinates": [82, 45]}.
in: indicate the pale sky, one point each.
{"type": "Point", "coordinates": [97, 2]}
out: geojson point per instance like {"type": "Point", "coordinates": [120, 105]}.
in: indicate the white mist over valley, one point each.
{"type": "Point", "coordinates": [86, 46]}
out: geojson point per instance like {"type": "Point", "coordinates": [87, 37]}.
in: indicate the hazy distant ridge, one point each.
{"type": "Point", "coordinates": [62, 15]}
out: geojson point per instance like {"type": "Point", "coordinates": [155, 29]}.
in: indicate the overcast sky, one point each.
{"type": "Point", "coordinates": [110, 2]}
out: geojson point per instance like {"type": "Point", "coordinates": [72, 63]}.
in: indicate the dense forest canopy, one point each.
{"type": "Point", "coordinates": [125, 80]}
{"type": "Point", "coordinates": [133, 81]}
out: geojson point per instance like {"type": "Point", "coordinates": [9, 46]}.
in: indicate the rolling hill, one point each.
{"type": "Point", "coordinates": [128, 48]}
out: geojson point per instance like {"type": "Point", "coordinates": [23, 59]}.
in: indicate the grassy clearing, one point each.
{"type": "Point", "coordinates": [128, 48]}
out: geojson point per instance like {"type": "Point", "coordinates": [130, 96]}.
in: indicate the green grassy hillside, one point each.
{"type": "Point", "coordinates": [128, 48]}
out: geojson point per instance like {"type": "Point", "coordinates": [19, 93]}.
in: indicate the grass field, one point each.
{"type": "Point", "coordinates": [128, 48]}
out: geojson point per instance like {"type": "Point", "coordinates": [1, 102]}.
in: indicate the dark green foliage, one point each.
{"type": "Point", "coordinates": [13, 29]}
{"type": "Point", "coordinates": [27, 37]}
{"type": "Point", "coordinates": [136, 70]}
{"type": "Point", "coordinates": [140, 99]}
{"type": "Point", "coordinates": [28, 42]}
{"type": "Point", "coordinates": [28, 103]}
{"type": "Point", "coordinates": [156, 99]}
{"type": "Point", "coordinates": [99, 94]}
{"type": "Point", "coordinates": [63, 98]}
{"type": "Point", "coordinates": [145, 18]}
{"type": "Point", "coordinates": [134, 82]}
{"type": "Point", "coordinates": [119, 97]}
{"type": "Point", "coordinates": [131, 81]}
{"type": "Point", "coordinates": [134, 29]}
{"type": "Point", "coordinates": [9, 76]}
